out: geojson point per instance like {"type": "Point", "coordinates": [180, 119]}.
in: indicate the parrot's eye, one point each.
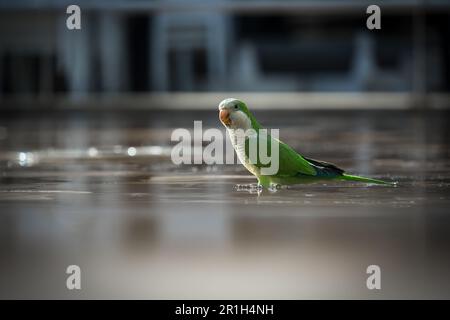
{"type": "Point", "coordinates": [236, 106]}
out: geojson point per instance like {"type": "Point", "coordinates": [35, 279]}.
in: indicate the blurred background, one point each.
{"type": "Point", "coordinates": [128, 48]}
{"type": "Point", "coordinates": [86, 177]}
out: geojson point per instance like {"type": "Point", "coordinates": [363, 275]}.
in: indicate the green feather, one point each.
{"type": "Point", "coordinates": [293, 168]}
{"type": "Point", "coordinates": [349, 177]}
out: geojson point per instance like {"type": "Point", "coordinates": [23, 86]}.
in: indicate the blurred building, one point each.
{"type": "Point", "coordinates": [218, 45]}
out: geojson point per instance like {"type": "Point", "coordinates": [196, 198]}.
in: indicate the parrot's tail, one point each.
{"type": "Point", "coordinates": [349, 177]}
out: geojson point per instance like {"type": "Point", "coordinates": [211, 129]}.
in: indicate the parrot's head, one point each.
{"type": "Point", "coordinates": [234, 114]}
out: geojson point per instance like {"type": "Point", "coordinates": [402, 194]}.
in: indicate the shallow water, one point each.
{"type": "Point", "coordinates": [100, 191]}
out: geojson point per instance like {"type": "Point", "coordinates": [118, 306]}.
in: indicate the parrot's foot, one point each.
{"type": "Point", "coordinates": [274, 187]}
{"type": "Point", "coordinates": [250, 188]}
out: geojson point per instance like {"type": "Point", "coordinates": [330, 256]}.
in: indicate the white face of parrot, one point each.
{"type": "Point", "coordinates": [231, 115]}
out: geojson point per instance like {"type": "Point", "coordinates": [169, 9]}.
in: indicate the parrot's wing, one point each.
{"type": "Point", "coordinates": [325, 169]}
{"type": "Point", "coordinates": [290, 162]}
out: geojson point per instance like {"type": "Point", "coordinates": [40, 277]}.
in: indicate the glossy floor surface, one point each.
{"type": "Point", "coordinates": [99, 190]}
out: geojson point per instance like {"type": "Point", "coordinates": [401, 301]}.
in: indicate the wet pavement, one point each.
{"type": "Point", "coordinates": [99, 190]}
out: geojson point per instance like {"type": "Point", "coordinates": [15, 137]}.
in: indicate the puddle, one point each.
{"type": "Point", "coordinates": [108, 197]}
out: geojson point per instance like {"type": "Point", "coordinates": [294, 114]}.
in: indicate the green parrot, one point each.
{"type": "Point", "coordinates": [293, 168]}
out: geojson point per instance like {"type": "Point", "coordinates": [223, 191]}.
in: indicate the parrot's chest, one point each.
{"type": "Point", "coordinates": [239, 146]}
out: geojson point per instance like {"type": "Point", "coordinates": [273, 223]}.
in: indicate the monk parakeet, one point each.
{"type": "Point", "coordinates": [293, 168]}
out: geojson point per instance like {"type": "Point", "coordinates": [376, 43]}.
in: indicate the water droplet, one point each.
{"type": "Point", "coordinates": [131, 151]}
{"type": "Point", "coordinates": [93, 152]}
{"type": "Point", "coordinates": [26, 158]}
{"type": "Point", "coordinates": [22, 157]}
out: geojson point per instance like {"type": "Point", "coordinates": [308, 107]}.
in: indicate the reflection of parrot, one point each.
{"type": "Point", "coordinates": [292, 169]}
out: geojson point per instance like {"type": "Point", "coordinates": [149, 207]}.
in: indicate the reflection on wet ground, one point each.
{"type": "Point", "coordinates": [99, 190]}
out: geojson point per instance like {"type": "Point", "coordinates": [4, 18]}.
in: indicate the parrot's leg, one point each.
{"type": "Point", "coordinates": [264, 181]}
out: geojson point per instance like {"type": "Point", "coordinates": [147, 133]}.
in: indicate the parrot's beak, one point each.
{"type": "Point", "coordinates": [224, 116]}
